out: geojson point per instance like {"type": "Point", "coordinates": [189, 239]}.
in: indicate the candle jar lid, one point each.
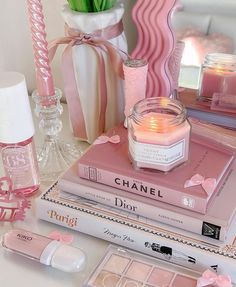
{"type": "Point", "coordinates": [158, 134]}
{"type": "Point", "coordinates": [217, 77]}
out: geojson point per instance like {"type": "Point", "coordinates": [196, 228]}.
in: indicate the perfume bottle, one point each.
{"type": "Point", "coordinates": [17, 148]}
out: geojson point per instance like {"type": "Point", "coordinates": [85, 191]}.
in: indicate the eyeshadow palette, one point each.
{"type": "Point", "coordinates": [124, 268]}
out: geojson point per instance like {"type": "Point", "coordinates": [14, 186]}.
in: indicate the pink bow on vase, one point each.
{"type": "Point", "coordinates": [99, 42]}
{"type": "Point", "coordinates": [62, 237]}
{"type": "Point", "coordinates": [210, 278]}
{"type": "Point", "coordinates": [104, 139]}
{"type": "Point", "coordinates": [207, 184]}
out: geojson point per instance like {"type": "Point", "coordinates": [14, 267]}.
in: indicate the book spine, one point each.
{"type": "Point", "coordinates": [162, 215]}
{"type": "Point", "coordinates": [154, 191]}
{"type": "Point", "coordinates": [136, 238]}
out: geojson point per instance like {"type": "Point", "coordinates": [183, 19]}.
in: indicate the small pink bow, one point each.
{"type": "Point", "coordinates": [211, 278]}
{"type": "Point", "coordinates": [62, 237]}
{"type": "Point", "coordinates": [104, 139]}
{"type": "Point", "coordinates": [207, 184]}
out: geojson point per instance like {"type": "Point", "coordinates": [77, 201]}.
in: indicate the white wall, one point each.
{"type": "Point", "coordinates": [16, 53]}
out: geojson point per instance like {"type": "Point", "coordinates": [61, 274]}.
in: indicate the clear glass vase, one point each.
{"type": "Point", "coordinates": [54, 156]}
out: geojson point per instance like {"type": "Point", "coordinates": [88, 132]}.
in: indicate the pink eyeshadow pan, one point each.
{"type": "Point", "coordinates": [127, 282]}
{"type": "Point", "coordinates": [160, 277]}
{"type": "Point", "coordinates": [116, 263]}
{"type": "Point", "coordinates": [125, 268]}
{"type": "Point", "coordinates": [138, 270]}
{"type": "Point", "coordinates": [181, 280]}
{"type": "Point", "coordinates": [106, 279]}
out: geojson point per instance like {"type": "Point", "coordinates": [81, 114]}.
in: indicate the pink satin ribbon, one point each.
{"type": "Point", "coordinates": [104, 139]}
{"type": "Point", "coordinates": [207, 184]}
{"type": "Point", "coordinates": [98, 40]}
{"type": "Point", "coordinates": [62, 237]}
{"type": "Point", "coordinates": [210, 278]}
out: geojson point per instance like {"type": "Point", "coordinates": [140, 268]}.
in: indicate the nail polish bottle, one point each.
{"type": "Point", "coordinates": [17, 148]}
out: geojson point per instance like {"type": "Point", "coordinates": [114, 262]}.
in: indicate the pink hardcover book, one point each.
{"type": "Point", "coordinates": [109, 164]}
{"type": "Point", "coordinates": [214, 224]}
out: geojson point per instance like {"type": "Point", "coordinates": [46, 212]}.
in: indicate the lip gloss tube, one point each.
{"type": "Point", "coordinates": [44, 250]}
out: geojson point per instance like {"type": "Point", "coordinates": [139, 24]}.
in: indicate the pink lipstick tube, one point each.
{"type": "Point", "coordinates": [44, 250]}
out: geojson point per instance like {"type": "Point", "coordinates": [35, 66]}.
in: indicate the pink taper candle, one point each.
{"type": "Point", "coordinates": [44, 79]}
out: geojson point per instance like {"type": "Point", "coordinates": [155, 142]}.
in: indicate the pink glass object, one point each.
{"type": "Point", "coordinates": [12, 202]}
{"type": "Point", "coordinates": [44, 79]}
{"type": "Point", "coordinates": [218, 76]}
{"type": "Point", "coordinates": [135, 73]}
{"type": "Point", "coordinates": [158, 134]}
{"type": "Point", "coordinates": [16, 134]}
{"type": "Point", "coordinates": [155, 42]}
{"type": "Point", "coordinates": [44, 250]}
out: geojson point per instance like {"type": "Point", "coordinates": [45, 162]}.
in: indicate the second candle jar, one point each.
{"type": "Point", "coordinates": [158, 134]}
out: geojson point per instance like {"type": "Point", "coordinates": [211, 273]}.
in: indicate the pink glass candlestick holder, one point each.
{"type": "Point", "coordinates": [54, 156]}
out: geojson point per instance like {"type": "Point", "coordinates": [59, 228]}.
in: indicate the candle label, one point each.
{"type": "Point", "coordinates": [156, 154]}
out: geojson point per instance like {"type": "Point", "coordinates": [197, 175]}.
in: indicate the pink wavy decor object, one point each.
{"type": "Point", "coordinates": [44, 80]}
{"type": "Point", "coordinates": [155, 43]}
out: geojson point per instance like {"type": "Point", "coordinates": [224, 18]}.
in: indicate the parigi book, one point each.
{"type": "Point", "coordinates": [214, 224]}
{"type": "Point", "coordinates": [138, 233]}
{"type": "Point", "coordinates": [196, 110]}
{"type": "Point", "coordinates": [109, 164]}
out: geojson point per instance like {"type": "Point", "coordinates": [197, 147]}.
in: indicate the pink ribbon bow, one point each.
{"type": "Point", "coordinates": [97, 40]}
{"type": "Point", "coordinates": [62, 237]}
{"type": "Point", "coordinates": [212, 279]}
{"type": "Point", "coordinates": [207, 184]}
{"type": "Point", "coordinates": [104, 139]}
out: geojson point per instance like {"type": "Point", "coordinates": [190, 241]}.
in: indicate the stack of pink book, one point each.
{"type": "Point", "coordinates": [112, 180]}
{"type": "Point", "coordinates": [152, 212]}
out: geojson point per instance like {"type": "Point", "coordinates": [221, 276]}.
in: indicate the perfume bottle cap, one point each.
{"type": "Point", "coordinates": [16, 123]}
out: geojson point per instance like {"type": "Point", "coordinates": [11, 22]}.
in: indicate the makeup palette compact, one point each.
{"type": "Point", "coordinates": [124, 268]}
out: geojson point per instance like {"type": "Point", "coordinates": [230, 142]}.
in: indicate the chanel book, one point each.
{"type": "Point", "coordinates": [214, 224]}
{"type": "Point", "coordinates": [109, 164]}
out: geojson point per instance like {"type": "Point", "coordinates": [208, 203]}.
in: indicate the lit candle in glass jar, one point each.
{"type": "Point", "coordinates": [158, 134]}
{"type": "Point", "coordinates": [218, 75]}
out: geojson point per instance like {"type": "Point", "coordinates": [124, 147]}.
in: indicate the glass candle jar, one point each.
{"type": "Point", "coordinates": [158, 134]}
{"type": "Point", "coordinates": [218, 76]}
